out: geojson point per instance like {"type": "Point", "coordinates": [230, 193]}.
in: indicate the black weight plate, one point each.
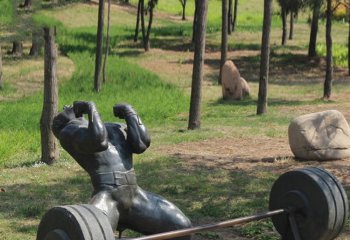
{"type": "Point", "coordinates": [340, 199]}
{"type": "Point", "coordinates": [305, 191]}
{"type": "Point", "coordinates": [335, 199]}
{"type": "Point", "coordinates": [75, 222]}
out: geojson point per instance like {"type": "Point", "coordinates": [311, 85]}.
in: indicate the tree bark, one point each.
{"type": "Point", "coordinates": [224, 21]}
{"type": "Point", "coordinates": [35, 48]}
{"type": "Point", "coordinates": [265, 59]}
{"type": "Point", "coordinates": [137, 21]}
{"type": "Point", "coordinates": [284, 26]}
{"type": "Point", "coordinates": [314, 30]}
{"type": "Point", "coordinates": [195, 17]}
{"type": "Point", "coordinates": [291, 26]}
{"type": "Point", "coordinates": [194, 121]}
{"type": "Point", "coordinates": [349, 44]}
{"type": "Point", "coordinates": [26, 4]}
{"type": "Point", "coordinates": [143, 27]}
{"type": "Point", "coordinates": [229, 19]}
{"type": "Point", "coordinates": [1, 74]}
{"type": "Point", "coordinates": [234, 21]}
{"type": "Point", "coordinates": [150, 21]}
{"type": "Point", "coordinates": [105, 61]}
{"type": "Point", "coordinates": [99, 43]}
{"type": "Point", "coordinates": [327, 91]}
{"type": "Point", "coordinates": [49, 147]}
{"type": "Point", "coordinates": [17, 48]}
{"type": "Point", "coordinates": [183, 4]}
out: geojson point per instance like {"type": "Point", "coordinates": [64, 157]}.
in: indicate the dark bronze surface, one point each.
{"type": "Point", "coordinates": [104, 151]}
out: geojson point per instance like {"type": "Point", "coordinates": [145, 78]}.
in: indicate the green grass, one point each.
{"type": "Point", "coordinates": [6, 12]}
{"type": "Point", "coordinates": [206, 193]}
{"type": "Point", "coordinates": [340, 54]}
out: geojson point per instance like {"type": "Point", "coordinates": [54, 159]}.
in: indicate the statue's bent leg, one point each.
{"type": "Point", "coordinates": [103, 200]}
{"type": "Point", "coordinates": [152, 214]}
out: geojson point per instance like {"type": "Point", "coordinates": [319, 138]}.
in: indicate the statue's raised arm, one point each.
{"type": "Point", "coordinates": [137, 135]}
{"type": "Point", "coordinates": [86, 136]}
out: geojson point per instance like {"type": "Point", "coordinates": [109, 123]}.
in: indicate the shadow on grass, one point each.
{"type": "Point", "coordinates": [271, 102]}
{"type": "Point", "coordinates": [285, 68]}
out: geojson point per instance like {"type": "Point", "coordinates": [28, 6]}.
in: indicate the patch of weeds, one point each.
{"type": "Point", "coordinates": [261, 230]}
{"type": "Point", "coordinates": [31, 211]}
{"type": "Point", "coordinates": [209, 235]}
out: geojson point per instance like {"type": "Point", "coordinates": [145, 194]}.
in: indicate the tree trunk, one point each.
{"type": "Point", "coordinates": [1, 75]}
{"type": "Point", "coordinates": [284, 26]}
{"type": "Point", "coordinates": [329, 58]}
{"type": "Point", "coordinates": [265, 59]}
{"type": "Point", "coordinates": [349, 44]}
{"type": "Point", "coordinates": [99, 43]}
{"type": "Point", "coordinates": [147, 44]}
{"type": "Point", "coordinates": [229, 19]}
{"type": "Point", "coordinates": [291, 26]}
{"type": "Point", "coordinates": [34, 49]}
{"type": "Point", "coordinates": [314, 30]}
{"type": "Point", "coordinates": [234, 21]}
{"type": "Point", "coordinates": [143, 27]}
{"type": "Point", "coordinates": [223, 37]}
{"type": "Point", "coordinates": [195, 17]}
{"type": "Point", "coordinates": [183, 4]}
{"type": "Point", "coordinates": [49, 147]}
{"type": "Point", "coordinates": [105, 62]}
{"type": "Point", "coordinates": [17, 48]}
{"type": "Point", "coordinates": [137, 21]}
{"type": "Point", "coordinates": [26, 4]}
{"type": "Point", "coordinates": [194, 121]}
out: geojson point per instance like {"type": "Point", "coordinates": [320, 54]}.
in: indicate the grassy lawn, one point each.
{"type": "Point", "coordinates": [194, 169]}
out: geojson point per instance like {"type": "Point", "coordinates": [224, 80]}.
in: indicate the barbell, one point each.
{"type": "Point", "coordinates": [304, 204]}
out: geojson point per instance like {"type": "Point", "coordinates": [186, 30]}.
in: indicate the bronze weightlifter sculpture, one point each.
{"type": "Point", "coordinates": [105, 152]}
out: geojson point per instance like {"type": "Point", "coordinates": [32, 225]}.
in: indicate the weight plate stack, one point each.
{"type": "Point", "coordinates": [75, 222]}
{"type": "Point", "coordinates": [318, 200]}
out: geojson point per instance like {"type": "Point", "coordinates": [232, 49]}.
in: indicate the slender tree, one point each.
{"type": "Point", "coordinates": [349, 41]}
{"type": "Point", "coordinates": [137, 21]}
{"type": "Point", "coordinates": [291, 26]}
{"type": "Point", "coordinates": [183, 4]}
{"type": "Point", "coordinates": [99, 43]}
{"type": "Point", "coordinates": [234, 20]}
{"type": "Point", "coordinates": [195, 19]}
{"type": "Point", "coordinates": [146, 34]}
{"type": "Point", "coordinates": [229, 19]}
{"type": "Point", "coordinates": [1, 75]}
{"type": "Point", "coordinates": [327, 90]}
{"type": "Point", "coordinates": [49, 147]}
{"type": "Point", "coordinates": [194, 121]}
{"type": "Point", "coordinates": [224, 21]}
{"type": "Point", "coordinates": [284, 25]}
{"type": "Point", "coordinates": [265, 59]}
{"type": "Point", "coordinates": [316, 8]}
{"type": "Point", "coordinates": [105, 61]}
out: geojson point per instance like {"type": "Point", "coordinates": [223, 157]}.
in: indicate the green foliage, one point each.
{"type": "Point", "coordinates": [41, 20]}
{"type": "Point", "coordinates": [340, 53]}
{"type": "Point", "coordinates": [6, 12]}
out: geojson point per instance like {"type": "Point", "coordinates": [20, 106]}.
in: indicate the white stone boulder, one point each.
{"type": "Point", "coordinates": [320, 136]}
{"type": "Point", "coordinates": [231, 82]}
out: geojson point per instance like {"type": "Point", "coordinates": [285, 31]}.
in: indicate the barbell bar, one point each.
{"type": "Point", "coordinates": [212, 226]}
